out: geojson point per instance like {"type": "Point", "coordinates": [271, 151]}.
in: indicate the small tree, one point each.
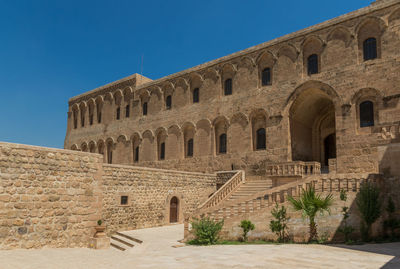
{"type": "Point", "coordinates": [247, 226]}
{"type": "Point", "coordinates": [206, 230]}
{"type": "Point", "coordinates": [346, 230]}
{"type": "Point", "coordinates": [279, 225]}
{"type": "Point", "coordinates": [369, 205]}
{"type": "Point", "coordinates": [392, 223]}
{"type": "Point", "coordinates": [310, 203]}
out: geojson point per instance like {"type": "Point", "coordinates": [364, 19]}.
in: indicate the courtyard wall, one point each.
{"type": "Point", "coordinates": [48, 197]}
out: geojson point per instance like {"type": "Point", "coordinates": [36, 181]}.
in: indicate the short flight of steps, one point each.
{"type": "Point", "coordinates": [122, 241]}
{"type": "Point", "coordinates": [248, 188]}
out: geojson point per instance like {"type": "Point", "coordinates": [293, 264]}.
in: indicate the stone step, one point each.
{"type": "Point", "coordinates": [122, 240]}
{"type": "Point", "coordinates": [129, 237]}
{"type": "Point", "coordinates": [117, 245]}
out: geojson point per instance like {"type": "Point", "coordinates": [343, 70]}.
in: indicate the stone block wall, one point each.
{"type": "Point", "coordinates": [48, 197]}
{"type": "Point", "coordinates": [149, 194]}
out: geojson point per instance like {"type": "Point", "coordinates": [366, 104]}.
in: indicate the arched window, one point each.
{"type": "Point", "coordinates": [196, 95]}
{"type": "Point", "coordinates": [118, 113]}
{"type": "Point", "coordinates": [369, 49]}
{"type": "Point", "coordinates": [90, 115]}
{"type": "Point", "coordinates": [189, 152]}
{"type": "Point", "coordinates": [162, 151]}
{"type": "Point", "coordinates": [98, 107]}
{"type": "Point", "coordinates": [109, 153]}
{"type": "Point", "coordinates": [144, 108]}
{"type": "Point", "coordinates": [312, 64]}
{"type": "Point", "coordinates": [266, 77]}
{"type": "Point", "coordinates": [82, 118]}
{"type": "Point", "coordinates": [261, 138]}
{"type": "Point", "coordinates": [222, 144]}
{"type": "Point", "coordinates": [127, 111]}
{"type": "Point", "coordinates": [136, 155]}
{"type": "Point", "coordinates": [75, 115]}
{"type": "Point", "coordinates": [228, 86]}
{"type": "Point", "coordinates": [168, 102]}
{"type": "Point", "coordinates": [366, 114]}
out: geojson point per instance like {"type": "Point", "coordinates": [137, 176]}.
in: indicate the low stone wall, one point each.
{"type": "Point", "coordinates": [48, 197]}
{"type": "Point", "coordinates": [327, 225]}
{"type": "Point", "coordinates": [149, 194]}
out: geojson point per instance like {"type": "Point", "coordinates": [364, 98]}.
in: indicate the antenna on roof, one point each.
{"type": "Point", "coordinates": [141, 66]}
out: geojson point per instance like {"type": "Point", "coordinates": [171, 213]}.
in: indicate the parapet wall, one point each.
{"type": "Point", "coordinates": [53, 197]}
{"type": "Point", "coordinates": [149, 194]}
{"type": "Point", "coordinates": [48, 197]}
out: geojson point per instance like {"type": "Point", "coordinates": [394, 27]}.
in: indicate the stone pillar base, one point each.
{"type": "Point", "coordinates": [100, 242]}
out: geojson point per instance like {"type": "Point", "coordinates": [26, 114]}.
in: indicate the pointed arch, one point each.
{"type": "Point", "coordinates": [340, 33]}
{"type": "Point", "coordinates": [289, 51]}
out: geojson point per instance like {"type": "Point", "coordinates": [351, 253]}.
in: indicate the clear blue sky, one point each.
{"type": "Point", "coordinates": [53, 50]}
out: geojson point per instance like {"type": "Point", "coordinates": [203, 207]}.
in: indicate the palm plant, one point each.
{"type": "Point", "coordinates": [310, 204]}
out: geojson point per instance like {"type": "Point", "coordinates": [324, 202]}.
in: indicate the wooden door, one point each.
{"type": "Point", "coordinates": [173, 211]}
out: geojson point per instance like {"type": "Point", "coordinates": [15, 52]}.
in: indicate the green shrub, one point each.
{"type": "Point", "coordinates": [206, 231]}
{"type": "Point", "coordinates": [279, 225]}
{"type": "Point", "coordinates": [247, 226]}
{"type": "Point", "coordinates": [346, 229]}
{"type": "Point", "coordinates": [392, 223]}
{"type": "Point", "coordinates": [369, 204]}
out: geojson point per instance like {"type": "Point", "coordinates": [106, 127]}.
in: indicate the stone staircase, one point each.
{"type": "Point", "coordinates": [242, 198]}
{"type": "Point", "coordinates": [122, 241]}
{"type": "Point", "coordinates": [249, 188]}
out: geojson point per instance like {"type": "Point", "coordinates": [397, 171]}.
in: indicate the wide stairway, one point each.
{"type": "Point", "coordinates": [249, 188]}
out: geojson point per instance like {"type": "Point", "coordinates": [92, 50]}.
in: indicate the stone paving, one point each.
{"type": "Point", "coordinates": [157, 251]}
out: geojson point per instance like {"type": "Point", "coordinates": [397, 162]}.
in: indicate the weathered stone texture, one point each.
{"type": "Point", "coordinates": [298, 111]}
{"type": "Point", "coordinates": [149, 194]}
{"type": "Point", "coordinates": [48, 197]}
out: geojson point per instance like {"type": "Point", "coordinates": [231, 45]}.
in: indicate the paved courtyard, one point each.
{"type": "Point", "coordinates": [157, 251]}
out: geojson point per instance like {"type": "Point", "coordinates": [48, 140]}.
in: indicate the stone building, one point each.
{"type": "Point", "coordinates": [327, 94]}
{"type": "Point", "coordinates": [228, 138]}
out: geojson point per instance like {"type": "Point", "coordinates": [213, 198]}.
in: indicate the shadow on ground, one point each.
{"type": "Point", "coordinates": [391, 249]}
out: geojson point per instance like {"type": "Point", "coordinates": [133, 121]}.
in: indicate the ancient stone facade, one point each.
{"type": "Point", "coordinates": [54, 198]}
{"type": "Point", "coordinates": [295, 98]}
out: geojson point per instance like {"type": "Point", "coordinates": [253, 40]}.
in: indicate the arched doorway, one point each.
{"type": "Point", "coordinates": [313, 127]}
{"type": "Point", "coordinates": [173, 210]}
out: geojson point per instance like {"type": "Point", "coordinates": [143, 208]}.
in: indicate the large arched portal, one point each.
{"type": "Point", "coordinates": [312, 127]}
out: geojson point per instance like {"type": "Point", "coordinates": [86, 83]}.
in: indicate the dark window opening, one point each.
{"type": "Point", "coordinates": [222, 143]}
{"type": "Point", "coordinates": [136, 158]}
{"type": "Point", "coordinates": [118, 113]}
{"type": "Point", "coordinates": [369, 49]}
{"type": "Point", "coordinates": [162, 151]}
{"type": "Point", "coordinates": [127, 111]}
{"type": "Point", "coordinates": [190, 148]}
{"type": "Point", "coordinates": [366, 114]}
{"type": "Point", "coordinates": [75, 120]}
{"type": "Point", "coordinates": [168, 102]}
{"type": "Point", "coordinates": [228, 86]}
{"type": "Point", "coordinates": [82, 119]}
{"type": "Point", "coordinates": [109, 154]}
{"type": "Point", "coordinates": [124, 200]}
{"type": "Point", "coordinates": [261, 138]}
{"type": "Point", "coordinates": [266, 77]}
{"type": "Point", "coordinates": [98, 113]}
{"type": "Point", "coordinates": [312, 64]}
{"type": "Point", "coordinates": [91, 119]}
{"type": "Point", "coordinates": [196, 95]}
{"type": "Point", "coordinates": [144, 109]}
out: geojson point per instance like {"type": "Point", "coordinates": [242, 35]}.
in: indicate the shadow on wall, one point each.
{"type": "Point", "coordinates": [389, 167]}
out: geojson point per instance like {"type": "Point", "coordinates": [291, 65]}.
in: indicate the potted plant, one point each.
{"type": "Point", "coordinates": [100, 228]}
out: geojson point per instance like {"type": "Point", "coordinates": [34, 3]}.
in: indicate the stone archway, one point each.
{"type": "Point", "coordinates": [313, 127]}
{"type": "Point", "coordinates": [174, 210]}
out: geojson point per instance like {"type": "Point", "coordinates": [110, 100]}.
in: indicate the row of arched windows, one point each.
{"type": "Point", "coordinates": [369, 49]}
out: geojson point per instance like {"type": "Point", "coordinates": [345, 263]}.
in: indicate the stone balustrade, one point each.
{"type": "Point", "coordinates": [268, 198]}
{"type": "Point", "coordinates": [296, 168]}
{"type": "Point", "coordinates": [230, 186]}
